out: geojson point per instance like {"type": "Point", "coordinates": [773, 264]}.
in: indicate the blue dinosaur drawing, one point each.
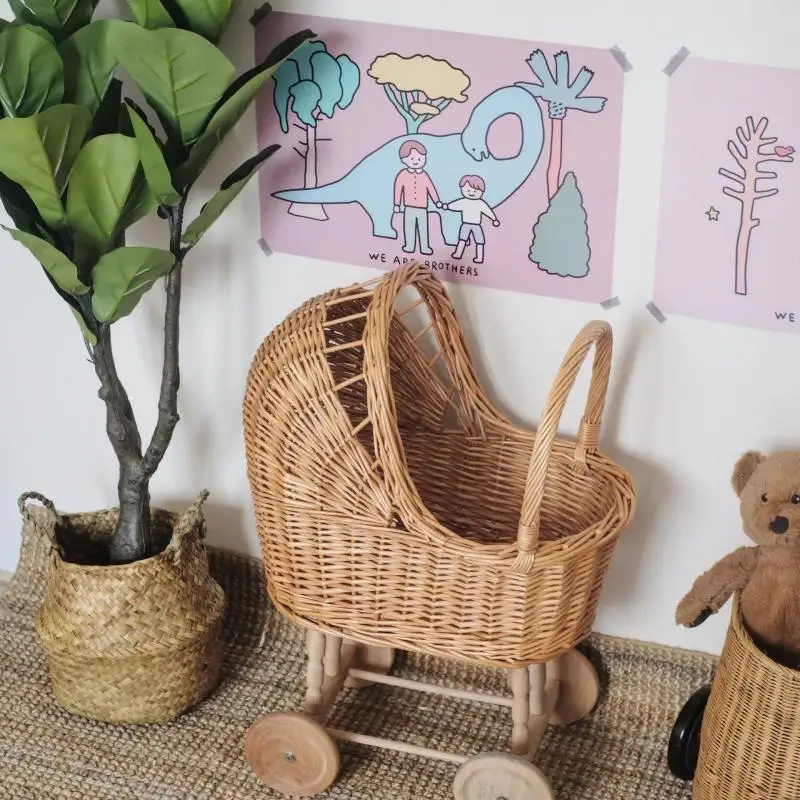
{"type": "Point", "coordinates": [450, 156]}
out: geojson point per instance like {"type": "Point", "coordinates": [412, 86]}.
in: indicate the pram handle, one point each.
{"type": "Point", "coordinates": [597, 334]}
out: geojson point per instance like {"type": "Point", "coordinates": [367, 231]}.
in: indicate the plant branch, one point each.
{"type": "Point", "coordinates": [170, 374]}
{"type": "Point", "coordinates": [121, 426]}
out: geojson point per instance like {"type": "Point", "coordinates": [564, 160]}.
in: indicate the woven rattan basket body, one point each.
{"type": "Point", "coordinates": [750, 739]}
{"type": "Point", "coordinates": [396, 506]}
{"type": "Point", "coordinates": [134, 643]}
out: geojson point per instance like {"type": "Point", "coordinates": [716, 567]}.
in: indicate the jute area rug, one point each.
{"type": "Point", "coordinates": [618, 753]}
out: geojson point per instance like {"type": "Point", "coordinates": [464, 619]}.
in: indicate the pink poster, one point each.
{"type": "Point", "coordinates": [728, 232]}
{"type": "Point", "coordinates": [493, 161]}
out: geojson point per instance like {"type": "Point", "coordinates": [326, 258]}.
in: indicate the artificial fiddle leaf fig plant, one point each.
{"type": "Point", "coordinates": [132, 618]}
{"type": "Point", "coordinates": [80, 163]}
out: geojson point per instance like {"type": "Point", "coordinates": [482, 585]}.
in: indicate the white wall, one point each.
{"type": "Point", "coordinates": [687, 396]}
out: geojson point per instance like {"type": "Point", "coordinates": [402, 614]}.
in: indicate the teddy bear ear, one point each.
{"type": "Point", "coordinates": [744, 469]}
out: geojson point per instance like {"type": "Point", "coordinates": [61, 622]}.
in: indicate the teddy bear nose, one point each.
{"type": "Point", "coordinates": [779, 525]}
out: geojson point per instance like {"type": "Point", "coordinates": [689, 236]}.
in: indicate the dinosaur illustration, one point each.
{"type": "Point", "coordinates": [451, 156]}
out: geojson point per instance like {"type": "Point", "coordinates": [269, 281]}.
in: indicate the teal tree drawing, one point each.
{"type": "Point", "coordinates": [561, 235]}
{"type": "Point", "coordinates": [312, 85]}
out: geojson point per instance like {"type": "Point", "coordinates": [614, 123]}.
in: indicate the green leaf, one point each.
{"type": "Point", "coordinates": [45, 34]}
{"type": "Point", "coordinates": [232, 106]}
{"type": "Point", "coordinates": [89, 65]}
{"type": "Point", "coordinates": [99, 190]}
{"type": "Point", "coordinates": [20, 208]}
{"type": "Point", "coordinates": [59, 267]}
{"type": "Point", "coordinates": [62, 130]}
{"type": "Point", "coordinates": [87, 334]}
{"type": "Point", "coordinates": [60, 17]}
{"type": "Point", "coordinates": [209, 18]}
{"type": "Point", "coordinates": [31, 73]}
{"type": "Point", "coordinates": [120, 279]}
{"type": "Point", "coordinates": [179, 72]}
{"type": "Point", "coordinates": [150, 14]}
{"type": "Point", "coordinates": [155, 167]}
{"type": "Point", "coordinates": [109, 117]}
{"type": "Point", "coordinates": [38, 154]}
{"type": "Point", "coordinates": [228, 191]}
{"type": "Point", "coordinates": [141, 202]}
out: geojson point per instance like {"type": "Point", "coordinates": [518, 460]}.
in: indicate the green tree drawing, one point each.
{"type": "Point", "coordinates": [312, 84]}
{"type": "Point", "coordinates": [561, 236]}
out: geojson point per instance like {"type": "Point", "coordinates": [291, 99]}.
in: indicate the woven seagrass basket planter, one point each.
{"type": "Point", "coordinates": [134, 643]}
{"type": "Point", "coordinates": [750, 739]}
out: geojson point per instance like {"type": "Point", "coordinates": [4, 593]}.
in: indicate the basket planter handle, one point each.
{"type": "Point", "coordinates": [46, 531]}
{"type": "Point", "coordinates": [595, 334]}
{"type": "Point", "coordinates": [191, 520]}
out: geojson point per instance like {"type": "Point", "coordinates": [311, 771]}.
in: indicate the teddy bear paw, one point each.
{"type": "Point", "coordinates": [700, 618]}
{"type": "Point", "coordinates": [689, 615]}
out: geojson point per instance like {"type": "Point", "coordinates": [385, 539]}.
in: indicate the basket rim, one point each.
{"type": "Point", "coordinates": [739, 629]}
{"type": "Point", "coordinates": [167, 515]}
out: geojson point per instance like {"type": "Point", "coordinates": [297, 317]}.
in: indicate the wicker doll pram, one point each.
{"type": "Point", "coordinates": [396, 507]}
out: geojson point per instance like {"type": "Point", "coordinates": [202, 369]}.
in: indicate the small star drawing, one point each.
{"type": "Point", "coordinates": [712, 214]}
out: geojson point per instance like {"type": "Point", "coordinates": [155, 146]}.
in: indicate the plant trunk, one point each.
{"type": "Point", "coordinates": [310, 210]}
{"type": "Point", "coordinates": [132, 539]}
{"type": "Point", "coordinates": [747, 224]}
{"type": "Point", "coordinates": [554, 164]}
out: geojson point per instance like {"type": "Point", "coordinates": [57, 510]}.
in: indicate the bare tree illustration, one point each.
{"type": "Point", "coordinates": [750, 150]}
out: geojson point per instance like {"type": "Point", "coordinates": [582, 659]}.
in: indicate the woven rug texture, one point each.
{"type": "Point", "coordinates": [618, 753]}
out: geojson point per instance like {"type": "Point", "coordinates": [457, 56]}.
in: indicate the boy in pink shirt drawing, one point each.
{"type": "Point", "coordinates": [412, 188]}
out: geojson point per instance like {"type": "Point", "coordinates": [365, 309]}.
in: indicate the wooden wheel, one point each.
{"type": "Point", "coordinates": [292, 754]}
{"type": "Point", "coordinates": [579, 689]}
{"type": "Point", "coordinates": [496, 776]}
{"type": "Point", "coordinates": [372, 657]}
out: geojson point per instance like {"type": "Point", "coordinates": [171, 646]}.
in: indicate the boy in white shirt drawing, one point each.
{"type": "Point", "coordinates": [472, 207]}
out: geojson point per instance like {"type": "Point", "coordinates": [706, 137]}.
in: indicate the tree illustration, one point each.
{"type": "Point", "coordinates": [312, 84]}
{"type": "Point", "coordinates": [561, 96]}
{"type": "Point", "coordinates": [419, 87]}
{"type": "Point", "coordinates": [561, 236]}
{"type": "Point", "coordinates": [750, 149]}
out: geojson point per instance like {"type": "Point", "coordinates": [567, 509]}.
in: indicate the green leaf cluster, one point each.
{"type": "Point", "coordinates": [81, 162]}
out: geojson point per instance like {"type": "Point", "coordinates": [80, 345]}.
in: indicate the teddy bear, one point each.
{"type": "Point", "coordinates": [767, 575]}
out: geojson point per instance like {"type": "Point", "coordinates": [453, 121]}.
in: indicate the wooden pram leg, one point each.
{"type": "Point", "coordinates": [520, 710]}
{"type": "Point", "coordinates": [315, 671]}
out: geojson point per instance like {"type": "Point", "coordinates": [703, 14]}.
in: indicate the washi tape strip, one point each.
{"type": "Point", "coordinates": [612, 302]}
{"type": "Point", "coordinates": [621, 58]}
{"type": "Point", "coordinates": [265, 248]}
{"type": "Point", "coordinates": [676, 61]}
{"type": "Point", "coordinates": [656, 312]}
{"type": "Point", "coordinates": [259, 14]}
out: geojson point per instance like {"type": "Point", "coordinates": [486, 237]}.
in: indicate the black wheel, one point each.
{"type": "Point", "coordinates": [684, 743]}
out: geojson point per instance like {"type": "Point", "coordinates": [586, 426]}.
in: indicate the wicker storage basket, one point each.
{"type": "Point", "coordinates": [134, 643]}
{"type": "Point", "coordinates": [750, 739]}
{"type": "Point", "coordinates": [396, 506]}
